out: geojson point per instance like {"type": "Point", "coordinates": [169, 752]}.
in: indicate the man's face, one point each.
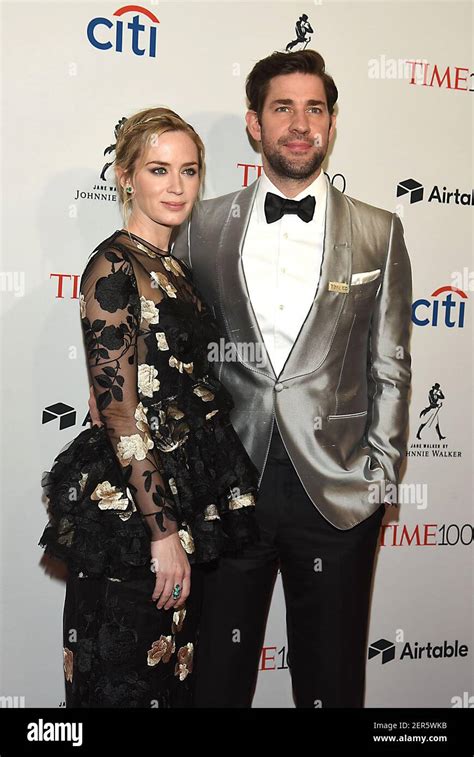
{"type": "Point", "coordinates": [295, 128]}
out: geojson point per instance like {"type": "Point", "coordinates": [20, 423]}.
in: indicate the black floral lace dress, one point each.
{"type": "Point", "coordinates": [165, 460]}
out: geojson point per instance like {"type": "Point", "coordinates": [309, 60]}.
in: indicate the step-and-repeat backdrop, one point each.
{"type": "Point", "coordinates": [70, 71]}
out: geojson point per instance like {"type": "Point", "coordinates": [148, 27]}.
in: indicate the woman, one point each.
{"type": "Point", "coordinates": [165, 479]}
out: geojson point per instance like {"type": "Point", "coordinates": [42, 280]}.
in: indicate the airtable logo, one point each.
{"type": "Point", "coordinates": [443, 196]}
{"type": "Point", "coordinates": [386, 650]}
{"type": "Point", "coordinates": [117, 35]}
{"type": "Point", "coordinates": [412, 188]}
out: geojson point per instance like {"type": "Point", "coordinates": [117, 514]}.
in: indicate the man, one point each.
{"type": "Point", "coordinates": [321, 290]}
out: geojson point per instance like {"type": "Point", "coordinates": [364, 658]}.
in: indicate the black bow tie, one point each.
{"type": "Point", "coordinates": [276, 207]}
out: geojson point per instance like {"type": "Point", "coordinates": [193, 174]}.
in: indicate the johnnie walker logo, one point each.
{"type": "Point", "coordinates": [303, 29]}
{"type": "Point", "coordinates": [102, 191]}
{"type": "Point", "coordinates": [430, 438]}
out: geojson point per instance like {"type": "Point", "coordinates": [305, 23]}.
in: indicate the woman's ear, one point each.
{"type": "Point", "coordinates": [121, 177]}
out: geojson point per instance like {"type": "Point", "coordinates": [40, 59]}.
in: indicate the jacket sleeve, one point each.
{"type": "Point", "coordinates": [181, 246]}
{"type": "Point", "coordinates": [110, 317]}
{"type": "Point", "coordinates": [389, 361]}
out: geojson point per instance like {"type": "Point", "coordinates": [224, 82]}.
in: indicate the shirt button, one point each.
{"type": "Point", "coordinates": [280, 307]}
{"type": "Point", "coordinates": [279, 386]}
{"type": "Point", "coordinates": [283, 270]}
{"type": "Point", "coordinates": [285, 235]}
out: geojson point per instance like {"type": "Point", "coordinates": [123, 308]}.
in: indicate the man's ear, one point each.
{"type": "Point", "coordinates": [332, 128]}
{"type": "Point", "coordinates": [253, 125]}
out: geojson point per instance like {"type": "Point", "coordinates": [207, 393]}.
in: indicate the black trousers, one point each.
{"type": "Point", "coordinates": [326, 575]}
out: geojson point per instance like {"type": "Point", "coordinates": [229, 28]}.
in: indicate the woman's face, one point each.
{"type": "Point", "coordinates": [166, 183]}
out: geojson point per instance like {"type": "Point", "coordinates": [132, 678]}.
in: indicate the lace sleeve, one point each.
{"type": "Point", "coordinates": [110, 316]}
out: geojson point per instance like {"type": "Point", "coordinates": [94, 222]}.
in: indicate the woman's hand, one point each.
{"type": "Point", "coordinates": [171, 565]}
{"type": "Point", "coordinates": [93, 410]}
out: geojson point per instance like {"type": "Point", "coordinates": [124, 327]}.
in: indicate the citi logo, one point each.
{"type": "Point", "coordinates": [118, 35]}
{"type": "Point", "coordinates": [385, 650]}
{"type": "Point", "coordinates": [448, 310]}
{"type": "Point", "coordinates": [416, 191]}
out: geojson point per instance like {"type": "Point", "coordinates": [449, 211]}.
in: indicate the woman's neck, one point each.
{"type": "Point", "coordinates": [154, 233]}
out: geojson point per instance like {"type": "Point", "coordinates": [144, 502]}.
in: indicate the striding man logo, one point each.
{"type": "Point", "coordinates": [302, 29]}
{"type": "Point", "coordinates": [430, 414]}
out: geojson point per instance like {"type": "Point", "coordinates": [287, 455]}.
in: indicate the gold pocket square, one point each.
{"type": "Point", "coordinates": [365, 277]}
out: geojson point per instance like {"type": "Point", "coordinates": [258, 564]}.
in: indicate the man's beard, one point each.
{"type": "Point", "coordinates": [287, 168]}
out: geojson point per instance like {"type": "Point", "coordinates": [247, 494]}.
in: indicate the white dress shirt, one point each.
{"type": "Point", "coordinates": [282, 262]}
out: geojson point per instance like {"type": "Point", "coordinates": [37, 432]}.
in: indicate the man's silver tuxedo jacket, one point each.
{"type": "Point", "coordinates": [341, 400]}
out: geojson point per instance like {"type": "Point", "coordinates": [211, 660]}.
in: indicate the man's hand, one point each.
{"type": "Point", "coordinates": [94, 412]}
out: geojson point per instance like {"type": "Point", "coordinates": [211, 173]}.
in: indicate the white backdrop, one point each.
{"type": "Point", "coordinates": [62, 97]}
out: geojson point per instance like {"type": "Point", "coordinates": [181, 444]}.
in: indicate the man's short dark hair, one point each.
{"type": "Point", "coordinates": [277, 64]}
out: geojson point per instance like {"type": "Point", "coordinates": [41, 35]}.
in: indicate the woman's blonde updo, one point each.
{"type": "Point", "coordinates": [137, 134]}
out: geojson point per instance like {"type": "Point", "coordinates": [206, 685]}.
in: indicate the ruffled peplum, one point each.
{"type": "Point", "coordinates": [96, 529]}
